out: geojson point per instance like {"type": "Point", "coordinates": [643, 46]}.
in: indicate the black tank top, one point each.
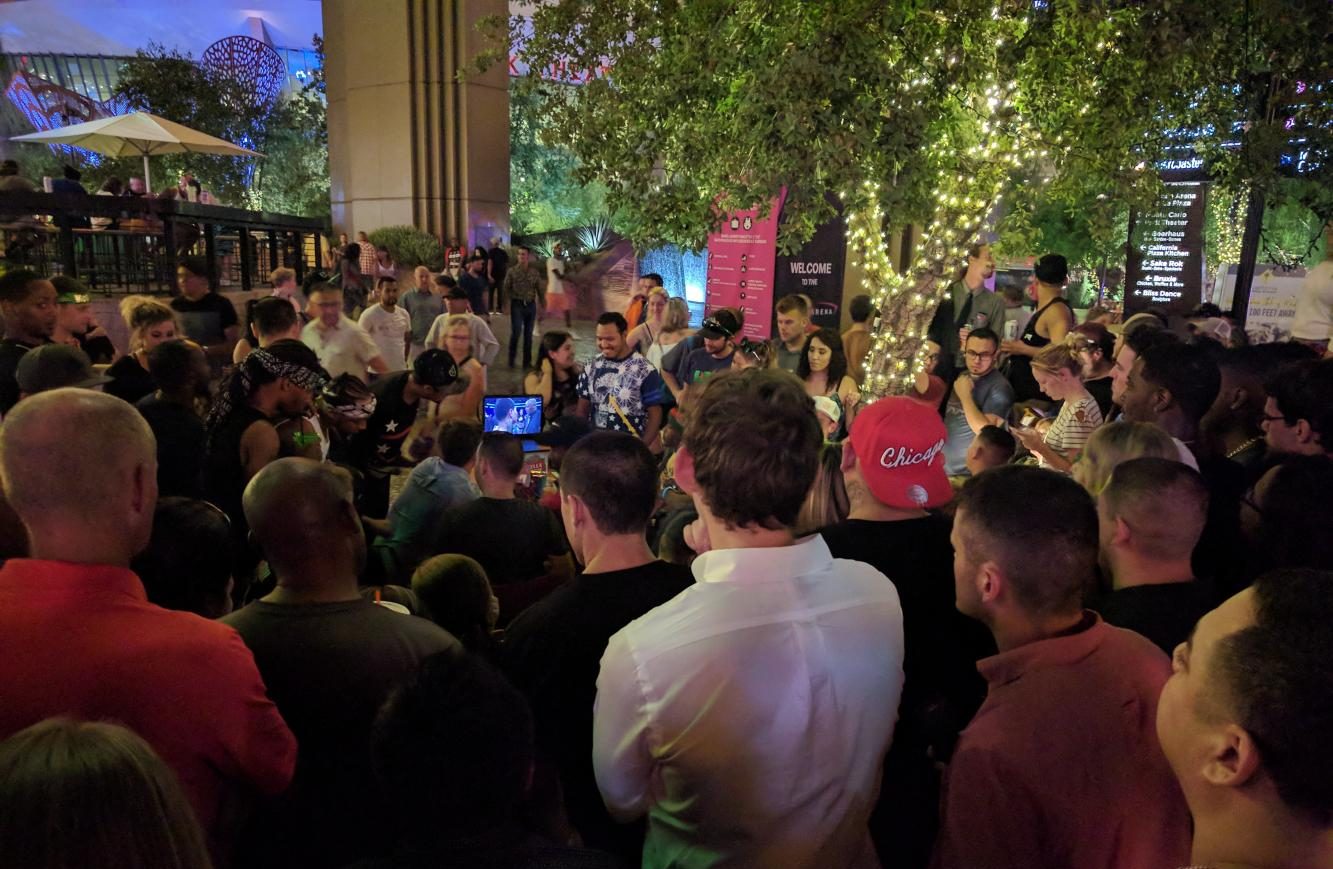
{"type": "Point", "coordinates": [1020, 367]}
{"type": "Point", "coordinates": [224, 475]}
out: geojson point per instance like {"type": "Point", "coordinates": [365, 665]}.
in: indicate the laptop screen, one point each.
{"type": "Point", "coordinates": [515, 414]}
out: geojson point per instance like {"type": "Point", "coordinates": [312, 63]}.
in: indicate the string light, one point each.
{"type": "Point", "coordinates": [963, 199]}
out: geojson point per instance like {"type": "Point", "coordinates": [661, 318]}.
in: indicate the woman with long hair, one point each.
{"type": "Point", "coordinates": [555, 375]}
{"type": "Point", "coordinates": [1094, 344]}
{"type": "Point", "coordinates": [1059, 374]}
{"type": "Point", "coordinates": [827, 503]}
{"type": "Point", "coordinates": [79, 795]}
{"type": "Point", "coordinates": [151, 322]}
{"type": "Point", "coordinates": [456, 339]}
{"type": "Point", "coordinates": [823, 368]}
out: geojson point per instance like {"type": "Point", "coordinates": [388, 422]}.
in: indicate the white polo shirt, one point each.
{"type": "Point", "coordinates": [749, 716]}
{"type": "Point", "coordinates": [342, 349]}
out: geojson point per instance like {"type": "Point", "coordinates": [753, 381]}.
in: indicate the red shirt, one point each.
{"type": "Point", "coordinates": [82, 640]}
{"type": "Point", "coordinates": [1061, 768]}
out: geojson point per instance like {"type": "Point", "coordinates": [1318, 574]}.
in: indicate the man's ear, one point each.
{"type": "Point", "coordinates": [1233, 758]}
{"type": "Point", "coordinates": [1239, 397]}
{"type": "Point", "coordinates": [685, 472]}
{"type": "Point", "coordinates": [1122, 532]}
{"type": "Point", "coordinates": [990, 582]}
{"type": "Point", "coordinates": [848, 456]}
{"type": "Point", "coordinates": [578, 511]}
{"type": "Point", "coordinates": [1304, 433]}
{"type": "Point", "coordinates": [1162, 399]}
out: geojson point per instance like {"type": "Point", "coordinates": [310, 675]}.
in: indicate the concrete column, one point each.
{"type": "Point", "coordinates": [409, 143]}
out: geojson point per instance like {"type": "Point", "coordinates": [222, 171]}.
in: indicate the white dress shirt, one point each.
{"type": "Point", "coordinates": [749, 716]}
{"type": "Point", "coordinates": [342, 349]}
{"type": "Point", "coordinates": [484, 345]}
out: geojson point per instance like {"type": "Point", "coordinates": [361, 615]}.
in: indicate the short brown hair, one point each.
{"type": "Point", "coordinates": [755, 443]}
{"type": "Point", "coordinates": [1164, 502]}
{"type": "Point", "coordinates": [794, 303]}
{"type": "Point", "coordinates": [1040, 527]}
{"type": "Point", "coordinates": [281, 275]}
{"type": "Point", "coordinates": [1057, 357]}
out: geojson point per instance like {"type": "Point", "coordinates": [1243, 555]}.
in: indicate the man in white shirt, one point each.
{"type": "Point", "coordinates": [749, 716]}
{"type": "Point", "coordinates": [484, 346]}
{"type": "Point", "coordinates": [1313, 324]}
{"type": "Point", "coordinates": [389, 325]}
{"type": "Point", "coordinates": [342, 346]}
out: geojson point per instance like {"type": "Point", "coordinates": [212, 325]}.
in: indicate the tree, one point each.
{"type": "Point", "coordinates": [545, 192]}
{"type": "Point", "coordinates": [172, 85]}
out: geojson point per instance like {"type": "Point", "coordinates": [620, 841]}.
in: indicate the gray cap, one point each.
{"type": "Point", "coordinates": [53, 366]}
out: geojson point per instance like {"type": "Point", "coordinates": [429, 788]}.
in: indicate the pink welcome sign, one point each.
{"type": "Point", "coordinates": [741, 256]}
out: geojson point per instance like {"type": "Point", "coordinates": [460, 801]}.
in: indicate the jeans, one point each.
{"type": "Point", "coordinates": [521, 317]}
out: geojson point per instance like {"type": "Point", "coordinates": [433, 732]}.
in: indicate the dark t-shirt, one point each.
{"type": "Point", "coordinates": [130, 381]}
{"type": "Point", "coordinates": [224, 475]}
{"type": "Point", "coordinates": [181, 438]}
{"type": "Point", "coordinates": [553, 652]}
{"type": "Point", "coordinates": [700, 365]}
{"type": "Point", "coordinates": [1165, 614]}
{"type": "Point", "coordinates": [511, 538]}
{"type": "Point", "coordinates": [475, 287]}
{"type": "Point", "coordinates": [1100, 389]}
{"type": "Point", "coordinates": [204, 321]}
{"type": "Point", "coordinates": [942, 690]}
{"type": "Point", "coordinates": [379, 447]}
{"type": "Point", "coordinates": [11, 351]}
{"type": "Point", "coordinates": [99, 349]}
{"type": "Point", "coordinates": [329, 667]}
{"type": "Point", "coordinates": [499, 264]}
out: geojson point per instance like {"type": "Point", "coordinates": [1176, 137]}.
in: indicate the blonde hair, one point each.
{"type": "Point", "coordinates": [1056, 358]}
{"type": "Point", "coordinates": [1119, 442]}
{"type": "Point", "coordinates": [677, 316]}
{"type": "Point", "coordinates": [279, 275]}
{"type": "Point", "coordinates": [141, 313]}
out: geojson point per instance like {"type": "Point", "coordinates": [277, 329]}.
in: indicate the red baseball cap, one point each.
{"type": "Point", "coordinates": [899, 447]}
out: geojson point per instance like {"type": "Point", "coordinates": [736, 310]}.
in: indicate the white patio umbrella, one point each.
{"type": "Point", "coordinates": [137, 133]}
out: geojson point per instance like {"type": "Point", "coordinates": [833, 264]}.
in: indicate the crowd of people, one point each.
{"type": "Point", "coordinates": [280, 599]}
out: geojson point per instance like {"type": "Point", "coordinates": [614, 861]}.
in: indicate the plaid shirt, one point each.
{"type": "Point", "coordinates": [525, 284]}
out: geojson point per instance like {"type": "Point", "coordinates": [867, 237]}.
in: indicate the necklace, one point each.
{"type": "Point", "coordinates": [1231, 455]}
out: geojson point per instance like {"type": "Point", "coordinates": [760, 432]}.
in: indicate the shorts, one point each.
{"type": "Point", "coordinates": [559, 302]}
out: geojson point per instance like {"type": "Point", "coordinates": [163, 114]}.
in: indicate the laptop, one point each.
{"type": "Point", "coordinates": [516, 414]}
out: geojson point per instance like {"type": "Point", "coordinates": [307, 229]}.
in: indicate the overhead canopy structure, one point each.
{"type": "Point", "coordinates": [138, 134]}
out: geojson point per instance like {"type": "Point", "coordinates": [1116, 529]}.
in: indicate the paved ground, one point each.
{"type": "Point", "coordinates": [503, 380]}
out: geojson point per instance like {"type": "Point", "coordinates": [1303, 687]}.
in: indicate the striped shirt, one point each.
{"type": "Point", "coordinates": [1077, 420]}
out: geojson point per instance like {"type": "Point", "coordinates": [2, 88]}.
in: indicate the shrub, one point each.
{"type": "Point", "coordinates": [410, 247]}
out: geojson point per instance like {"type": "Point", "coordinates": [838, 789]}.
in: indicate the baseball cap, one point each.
{"type": "Point", "coordinates": [721, 324]}
{"type": "Point", "coordinates": [899, 447]}
{"type": "Point", "coordinates": [456, 292]}
{"type": "Point", "coordinates": [435, 368]}
{"type": "Point", "coordinates": [1052, 269]}
{"type": "Point", "coordinates": [53, 366]}
{"type": "Point", "coordinates": [828, 407]}
{"type": "Point", "coordinates": [70, 291]}
{"type": "Point", "coordinates": [563, 431]}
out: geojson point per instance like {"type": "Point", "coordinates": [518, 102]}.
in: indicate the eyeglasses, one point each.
{"type": "Point", "coordinates": [1263, 418]}
{"type": "Point", "coordinates": [972, 354]}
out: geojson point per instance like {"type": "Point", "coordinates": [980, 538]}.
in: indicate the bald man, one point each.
{"type": "Point", "coordinates": [329, 658]}
{"type": "Point", "coordinates": [77, 634]}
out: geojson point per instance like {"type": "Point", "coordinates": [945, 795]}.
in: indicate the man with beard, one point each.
{"type": "Point", "coordinates": [969, 306]}
{"type": "Point", "coordinates": [981, 397]}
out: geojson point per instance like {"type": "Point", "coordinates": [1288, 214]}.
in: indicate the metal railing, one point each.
{"type": "Point", "coordinates": [121, 244]}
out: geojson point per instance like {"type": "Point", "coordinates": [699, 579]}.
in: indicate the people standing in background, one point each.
{"type": "Point", "coordinates": [75, 325]}
{"type": "Point", "coordinates": [823, 369]}
{"type": "Point", "coordinates": [1313, 325]}
{"type": "Point", "coordinates": [1049, 324]}
{"type": "Point", "coordinates": [497, 265]}
{"type": "Point", "coordinates": [70, 182]}
{"type": "Point", "coordinates": [980, 397]}
{"type": "Point", "coordinates": [637, 308]}
{"type": "Point", "coordinates": [644, 336]}
{"type": "Point", "coordinates": [454, 254]}
{"type": "Point", "coordinates": [207, 318]}
{"type": "Point", "coordinates": [150, 322]}
{"type": "Point", "coordinates": [28, 302]}
{"type": "Point", "coordinates": [385, 267]}
{"type": "Point", "coordinates": [1016, 311]}
{"type": "Point", "coordinates": [423, 304]}
{"type": "Point", "coordinates": [793, 316]}
{"type": "Point", "coordinates": [1058, 374]}
{"type": "Point", "coordinates": [557, 292]}
{"type": "Point", "coordinates": [969, 306]}
{"type": "Point", "coordinates": [856, 340]}
{"type": "Point", "coordinates": [389, 325]}
{"type": "Point", "coordinates": [343, 347]}
{"type": "Point", "coordinates": [283, 281]}
{"type": "Point", "coordinates": [268, 320]}
{"type": "Point", "coordinates": [456, 339]}
{"type": "Point", "coordinates": [456, 303]}
{"type": "Point", "coordinates": [525, 288]}
{"type": "Point", "coordinates": [365, 255]}
{"type": "Point", "coordinates": [473, 282]}
{"type": "Point", "coordinates": [352, 278]}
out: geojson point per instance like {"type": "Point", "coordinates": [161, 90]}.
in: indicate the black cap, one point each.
{"type": "Point", "coordinates": [1052, 269]}
{"type": "Point", "coordinates": [721, 324]}
{"type": "Point", "coordinates": [435, 368]}
{"type": "Point", "coordinates": [564, 431]}
{"type": "Point", "coordinates": [456, 292]}
{"type": "Point", "coordinates": [54, 366]}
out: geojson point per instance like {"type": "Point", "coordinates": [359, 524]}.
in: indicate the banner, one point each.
{"type": "Point", "coordinates": [1165, 268]}
{"type": "Point", "coordinates": [740, 267]}
{"type": "Point", "coordinates": [1273, 297]}
{"type": "Point", "coordinates": [817, 271]}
